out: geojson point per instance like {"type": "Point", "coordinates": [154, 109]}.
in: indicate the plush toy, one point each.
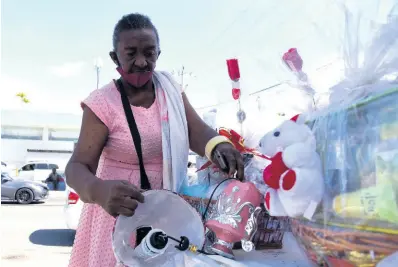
{"type": "Point", "coordinates": [294, 176]}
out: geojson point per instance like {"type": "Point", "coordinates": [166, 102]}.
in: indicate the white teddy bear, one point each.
{"type": "Point", "coordinates": [294, 176]}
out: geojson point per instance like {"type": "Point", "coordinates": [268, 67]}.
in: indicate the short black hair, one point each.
{"type": "Point", "coordinates": [133, 21]}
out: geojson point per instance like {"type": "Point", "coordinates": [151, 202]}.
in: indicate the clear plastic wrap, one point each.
{"type": "Point", "coordinates": [197, 183]}
{"type": "Point", "coordinates": [200, 184]}
{"type": "Point", "coordinates": [293, 61]}
{"type": "Point", "coordinates": [357, 139]}
{"type": "Point", "coordinates": [254, 168]}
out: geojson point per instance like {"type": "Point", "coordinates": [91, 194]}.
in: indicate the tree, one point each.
{"type": "Point", "coordinates": [23, 97]}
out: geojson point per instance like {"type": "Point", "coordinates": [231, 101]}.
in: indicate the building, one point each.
{"type": "Point", "coordinates": [37, 135]}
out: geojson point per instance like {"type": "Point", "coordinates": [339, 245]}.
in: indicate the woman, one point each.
{"type": "Point", "coordinates": [106, 169]}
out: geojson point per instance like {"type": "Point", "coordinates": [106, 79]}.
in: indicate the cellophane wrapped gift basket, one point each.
{"type": "Point", "coordinates": [356, 223]}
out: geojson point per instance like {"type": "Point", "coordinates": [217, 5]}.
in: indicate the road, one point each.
{"type": "Point", "coordinates": [35, 235]}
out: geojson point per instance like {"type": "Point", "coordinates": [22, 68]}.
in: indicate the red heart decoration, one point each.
{"type": "Point", "coordinates": [236, 93]}
{"type": "Point", "coordinates": [270, 179]}
{"type": "Point", "coordinates": [272, 173]}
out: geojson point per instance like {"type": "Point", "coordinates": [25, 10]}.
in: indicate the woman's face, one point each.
{"type": "Point", "coordinates": [137, 50]}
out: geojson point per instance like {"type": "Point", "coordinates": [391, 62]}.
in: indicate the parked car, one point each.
{"type": "Point", "coordinates": [72, 209]}
{"type": "Point", "coordinates": [36, 170]}
{"type": "Point", "coordinates": [21, 191]}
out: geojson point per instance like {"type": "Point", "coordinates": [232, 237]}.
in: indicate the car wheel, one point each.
{"type": "Point", "coordinates": [24, 196]}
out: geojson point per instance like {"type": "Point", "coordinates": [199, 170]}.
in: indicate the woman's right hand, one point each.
{"type": "Point", "coordinates": [117, 197]}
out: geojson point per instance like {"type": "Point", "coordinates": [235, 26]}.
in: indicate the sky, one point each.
{"type": "Point", "coordinates": [48, 47]}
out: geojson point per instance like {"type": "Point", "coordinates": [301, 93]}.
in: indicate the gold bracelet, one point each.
{"type": "Point", "coordinates": [212, 143]}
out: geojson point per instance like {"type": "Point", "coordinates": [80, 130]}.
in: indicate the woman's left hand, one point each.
{"type": "Point", "coordinates": [233, 160]}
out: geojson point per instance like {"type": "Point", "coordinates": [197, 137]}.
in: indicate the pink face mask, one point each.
{"type": "Point", "coordinates": [136, 79]}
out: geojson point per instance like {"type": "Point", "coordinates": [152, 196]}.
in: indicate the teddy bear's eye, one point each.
{"type": "Point", "coordinates": [277, 133]}
{"type": "Point", "coordinates": [259, 144]}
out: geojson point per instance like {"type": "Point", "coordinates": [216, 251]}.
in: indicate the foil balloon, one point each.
{"type": "Point", "coordinates": [167, 215]}
{"type": "Point", "coordinates": [235, 218]}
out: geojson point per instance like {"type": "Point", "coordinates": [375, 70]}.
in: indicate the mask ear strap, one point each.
{"type": "Point", "coordinates": [114, 58]}
{"type": "Point", "coordinates": [117, 61]}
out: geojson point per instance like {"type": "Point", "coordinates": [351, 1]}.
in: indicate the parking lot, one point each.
{"type": "Point", "coordinates": [35, 235]}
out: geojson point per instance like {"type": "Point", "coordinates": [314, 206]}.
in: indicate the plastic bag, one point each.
{"type": "Point", "coordinates": [197, 183]}
{"type": "Point", "coordinates": [357, 139]}
{"type": "Point", "coordinates": [201, 183]}
{"type": "Point", "coordinates": [182, 220]}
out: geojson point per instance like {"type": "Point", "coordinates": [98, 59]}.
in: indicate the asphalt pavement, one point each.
{"type": "Point", "coordinates": [35, 235]}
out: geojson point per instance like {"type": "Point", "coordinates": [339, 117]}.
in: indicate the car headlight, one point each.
{"type": "Point", "coordinates": [40, 187]}
{"type": "Point", "coordinates": [45, 187]}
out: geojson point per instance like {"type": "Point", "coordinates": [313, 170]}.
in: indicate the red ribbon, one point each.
{"type": "Point", "coordinates": [238, 142]}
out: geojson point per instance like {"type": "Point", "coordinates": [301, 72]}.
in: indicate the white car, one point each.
{"type": "Point", "coordinates": [36, 171]}
{"type": "Point", "coordinates": [72, 209]}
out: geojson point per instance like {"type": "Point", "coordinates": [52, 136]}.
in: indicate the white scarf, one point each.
{"type": "Point", "coordinates": [175, 141]}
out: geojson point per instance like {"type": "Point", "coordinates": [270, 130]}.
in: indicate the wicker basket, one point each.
{"type": "Point", "coordinates": [270, 230]}
{"type": "Point", "coordinates": [338, 246]}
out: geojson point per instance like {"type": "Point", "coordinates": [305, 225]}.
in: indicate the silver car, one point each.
{"type": "Point", "coordinates": [21, 191]}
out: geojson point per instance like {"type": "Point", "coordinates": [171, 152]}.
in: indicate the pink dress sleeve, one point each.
{"type": "Point", "coordinates": [98, 104]}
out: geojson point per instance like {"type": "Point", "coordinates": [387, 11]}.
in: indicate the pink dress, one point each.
{"type": "Point", "coordinates": [93, 247]}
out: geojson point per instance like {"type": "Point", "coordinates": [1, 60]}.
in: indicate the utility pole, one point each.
{"type": "Point", "coordinates": [258, 100]}
{"type": "Point", "coordinates": [97, 66]}
{"type": "Point", "coordinates": [181, 73]}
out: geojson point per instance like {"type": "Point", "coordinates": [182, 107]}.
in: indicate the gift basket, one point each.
{"type": "Point", "coordinates": [356, 222]}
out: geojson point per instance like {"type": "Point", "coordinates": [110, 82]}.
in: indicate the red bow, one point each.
{"type": "Point", "coordinates": [238, 142]}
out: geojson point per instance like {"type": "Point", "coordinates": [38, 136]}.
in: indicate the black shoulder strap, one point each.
{"type": "Point", "coordinates": [135, 135]}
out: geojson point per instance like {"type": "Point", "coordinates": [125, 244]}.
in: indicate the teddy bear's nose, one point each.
{"type": "Point", "coordinates": [277, 133]}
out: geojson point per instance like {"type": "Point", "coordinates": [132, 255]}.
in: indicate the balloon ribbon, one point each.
{"type": "Point", "coordinates": [238, 142]}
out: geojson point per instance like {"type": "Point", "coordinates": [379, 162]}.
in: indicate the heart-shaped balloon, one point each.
{"type": "Point", "coordinates": [236, 93]}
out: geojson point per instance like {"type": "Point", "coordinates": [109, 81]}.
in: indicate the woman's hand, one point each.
{"type": "Point", "coordinates": [117, 197]}
{"type": "Point", "coordinates": [233, 160]}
